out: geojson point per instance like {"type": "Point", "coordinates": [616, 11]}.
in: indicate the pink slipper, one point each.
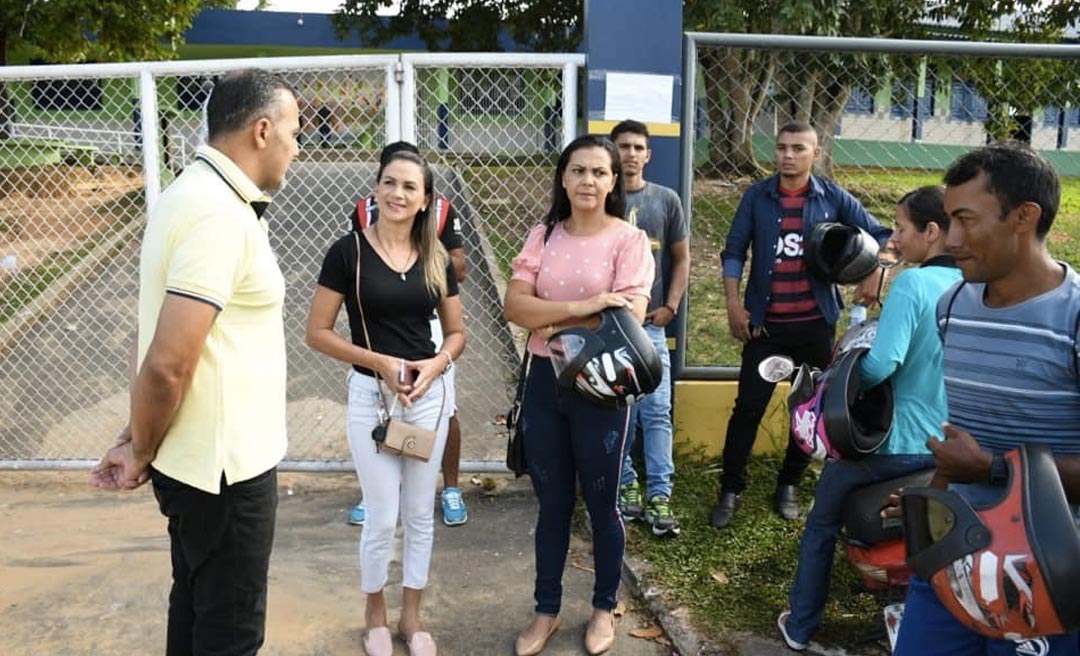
{"type": "Point", "coordinates": [421, 644]}
{"type": "Point", "coordinates": [378, 642]}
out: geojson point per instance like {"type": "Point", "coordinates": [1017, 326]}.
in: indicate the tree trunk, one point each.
{"type": "Point", "coordinates": [828, 106]}
{"type": "Point", "coordinates": [732, 109]}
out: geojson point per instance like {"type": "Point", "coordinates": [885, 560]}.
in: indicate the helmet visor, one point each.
{"type": "Point", "coordinates": [939, 528]}
{"type": "Point", "coordinates": [564, 348]}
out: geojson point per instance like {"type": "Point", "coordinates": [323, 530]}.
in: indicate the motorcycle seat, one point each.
{"type": "Point", "coordinates": [862, 509]}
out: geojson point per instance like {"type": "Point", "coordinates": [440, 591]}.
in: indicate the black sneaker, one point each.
{"type": "Point", "coordinates": [658, 514]}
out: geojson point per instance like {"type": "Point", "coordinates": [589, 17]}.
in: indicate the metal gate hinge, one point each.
{"type": "Point", "coordinates": [399, 72]}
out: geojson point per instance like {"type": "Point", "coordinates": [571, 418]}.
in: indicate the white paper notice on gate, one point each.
{"type": "Point", "coordinates": [641, 96]}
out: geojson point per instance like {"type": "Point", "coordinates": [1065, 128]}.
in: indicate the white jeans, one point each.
{"type": "Point", "coordinates": [390, 481]}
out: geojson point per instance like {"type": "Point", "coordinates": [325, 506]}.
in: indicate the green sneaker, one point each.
{"type": "Point", "coordinates": [658, 514]}
{"type": "Point", "coordinates": [630, 502]}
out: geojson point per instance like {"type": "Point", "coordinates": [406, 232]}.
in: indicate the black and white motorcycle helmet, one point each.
{"type": "Point", "coordinates": [840, 253]}
{"type": "Point", "coordinates": [613, 366]}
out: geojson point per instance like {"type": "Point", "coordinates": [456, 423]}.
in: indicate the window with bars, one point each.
{"type": "Point", "coordinates": [860, 101]}
{"type": "Point", "coordinates": [82, 94]}
{"type": "Point", "coordinates": [1052, 115]}
{"type": "Point", "coordinates": [192, 91]}
{"type": "Point", "coordinates": [491, 92]}
{"type": "Point", "coordinates": [903, 99]}
{"type": "Point", "coordinates": [967, 104]}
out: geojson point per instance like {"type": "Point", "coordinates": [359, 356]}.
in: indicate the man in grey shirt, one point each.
{"type": "Point", "coordinates": [656, 210]}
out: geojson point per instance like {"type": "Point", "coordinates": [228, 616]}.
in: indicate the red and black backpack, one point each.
{"type": "Point", "coordinates": [367, 210]}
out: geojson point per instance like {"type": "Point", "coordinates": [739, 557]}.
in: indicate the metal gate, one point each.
{"type": "Point", "coordinates": [86, 149]}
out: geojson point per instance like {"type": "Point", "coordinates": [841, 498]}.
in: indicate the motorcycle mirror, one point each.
{"type": "Point", "coordinates": [776, 368]}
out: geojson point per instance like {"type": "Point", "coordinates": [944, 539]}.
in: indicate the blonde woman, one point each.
{"type": "Point", "coordinates": [402, 276]}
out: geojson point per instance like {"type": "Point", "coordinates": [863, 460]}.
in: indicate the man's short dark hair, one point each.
{"type": "Point", "coordinates": [1016, 174]}
{"type": "Point", "coordinates": [631, 126]}
{"type": "Point", "coordinates": [796, 127]}
{"type": "Point", "coordinates": [241, 97]}
{"type": "Point", "coordinates": [396, 147]}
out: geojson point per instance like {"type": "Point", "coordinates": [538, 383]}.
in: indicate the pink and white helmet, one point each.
{"type": "Point", "coordinates": [831, 417]}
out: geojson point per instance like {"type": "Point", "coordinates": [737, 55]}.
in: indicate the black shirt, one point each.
{"type": "Point", "coordinates": [396, 311]}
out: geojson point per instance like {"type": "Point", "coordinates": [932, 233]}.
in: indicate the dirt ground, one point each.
{"type": "Point", "coordinates": [87, 572]}
{"type": "Point", "coordinates": [47, 209]}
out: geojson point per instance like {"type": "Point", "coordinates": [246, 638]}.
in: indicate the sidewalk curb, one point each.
{"type": "Point", "coordinates": [686, 640]}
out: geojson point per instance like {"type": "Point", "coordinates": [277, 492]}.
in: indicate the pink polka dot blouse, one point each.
{"type": "Point", "coordinates": [570, 268]}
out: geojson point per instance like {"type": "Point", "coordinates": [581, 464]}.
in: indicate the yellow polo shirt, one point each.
{"type": "Point", "coordinates": [205, 241]}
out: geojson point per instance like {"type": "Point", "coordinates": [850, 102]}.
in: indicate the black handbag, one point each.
{"type": "Point", "coordinates": [515, 438]}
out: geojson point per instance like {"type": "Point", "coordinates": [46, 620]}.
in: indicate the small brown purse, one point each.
{"type": "Point", "coordinates": [395, 435]}
{"type": "Point", "coordinates": [409, 440]}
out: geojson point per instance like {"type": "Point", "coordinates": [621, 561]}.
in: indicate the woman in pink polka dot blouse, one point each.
{"type": "Point", "coordinates": [582, 259]}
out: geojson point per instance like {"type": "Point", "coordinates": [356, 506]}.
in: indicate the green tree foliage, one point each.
{"type": "Point", "coordinates": [75, 31]}
{"type": "Point", "coordinates": [467, 25]}
{"type": "Point", "coordinates": [814, 87]}
{"type": "Point", "coordinates": [72, 31]}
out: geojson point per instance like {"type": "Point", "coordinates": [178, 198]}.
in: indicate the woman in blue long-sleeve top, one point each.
{"type": "Point", "coordinates": [907, 350]}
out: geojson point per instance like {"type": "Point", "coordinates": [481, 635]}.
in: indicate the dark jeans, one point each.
{"type": "Point", "coordinates": [803, 341]}
{"type": "Point", "coordinates": [571, 441]}
{"type": "Point", "coordinates": [220, 546]}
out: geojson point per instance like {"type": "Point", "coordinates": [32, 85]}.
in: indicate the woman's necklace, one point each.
{"type": "Point", "coordinates": [390, 260]}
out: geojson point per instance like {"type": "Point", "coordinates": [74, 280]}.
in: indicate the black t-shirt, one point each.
{"type": "Point", "coordinates": [397, 311]}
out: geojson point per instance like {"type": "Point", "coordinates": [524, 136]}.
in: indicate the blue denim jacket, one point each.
{"type": "Point", "coordinates": [757, 223]}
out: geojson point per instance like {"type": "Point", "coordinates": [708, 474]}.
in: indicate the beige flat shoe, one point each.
{"type": "Point", "coordinates": [600, 636]}
{"type": "Point", "coordinates": [378, 642]}
{"type": "Point", "coordinates": [420, 643]}
{"type": "Point", "coordinates": [531, 647]}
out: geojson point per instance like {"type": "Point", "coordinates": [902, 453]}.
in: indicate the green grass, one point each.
{"type": "Point", "coordinates": [757, 554]}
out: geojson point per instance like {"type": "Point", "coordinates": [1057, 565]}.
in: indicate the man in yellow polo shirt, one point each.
{"type": "Point", "coordinates": [208, 402]}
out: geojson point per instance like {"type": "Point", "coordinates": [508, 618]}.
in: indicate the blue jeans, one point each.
{"type": "Point", "coordinates": [929, 629]}
{"type": "Point", "coordinates": [818, 544]}
{"type": "Point", "coordinates": [571, 442]}
{"type": "Point", "coordinates": [654, 413]}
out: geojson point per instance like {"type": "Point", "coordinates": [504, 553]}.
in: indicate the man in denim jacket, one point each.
{"type": "Point", "coordinates": [786, 310]}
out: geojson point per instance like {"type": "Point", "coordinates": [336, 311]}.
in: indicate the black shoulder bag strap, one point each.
{"type": "Point", "coordinates": [523, 368]}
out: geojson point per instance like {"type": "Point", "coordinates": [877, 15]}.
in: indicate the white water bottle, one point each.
{"type": "Point", "coordinates": [858, 315]}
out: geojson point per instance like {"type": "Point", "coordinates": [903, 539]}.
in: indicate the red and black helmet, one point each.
{"type": "Point", "coordinates": [1007, 570]}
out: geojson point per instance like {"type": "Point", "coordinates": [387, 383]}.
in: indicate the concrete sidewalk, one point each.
{"type": "Point", "coordinates": [87, 572]}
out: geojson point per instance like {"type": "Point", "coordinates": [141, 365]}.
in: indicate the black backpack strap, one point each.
{"type": "Point", "coordinates": [1076, 349]}
{"type": "Point", "coordinates": [948, 309]}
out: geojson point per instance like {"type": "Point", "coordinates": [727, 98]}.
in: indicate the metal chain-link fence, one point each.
{"type": "Point", "coordinates": [76, 148]}
{"type": "Point", "coordinates": [891, 116]}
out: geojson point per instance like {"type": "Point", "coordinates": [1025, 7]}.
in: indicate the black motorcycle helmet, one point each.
{"type": "Point", "coordinates": [840, 253]}
{"type": "Point", "coordinates": [831, 417]}
{"type": "Point", "coordinates": [613, 366]}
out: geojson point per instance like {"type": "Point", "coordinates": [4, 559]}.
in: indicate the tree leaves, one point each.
{"type": "Point", "coordinates": [467, 25]}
